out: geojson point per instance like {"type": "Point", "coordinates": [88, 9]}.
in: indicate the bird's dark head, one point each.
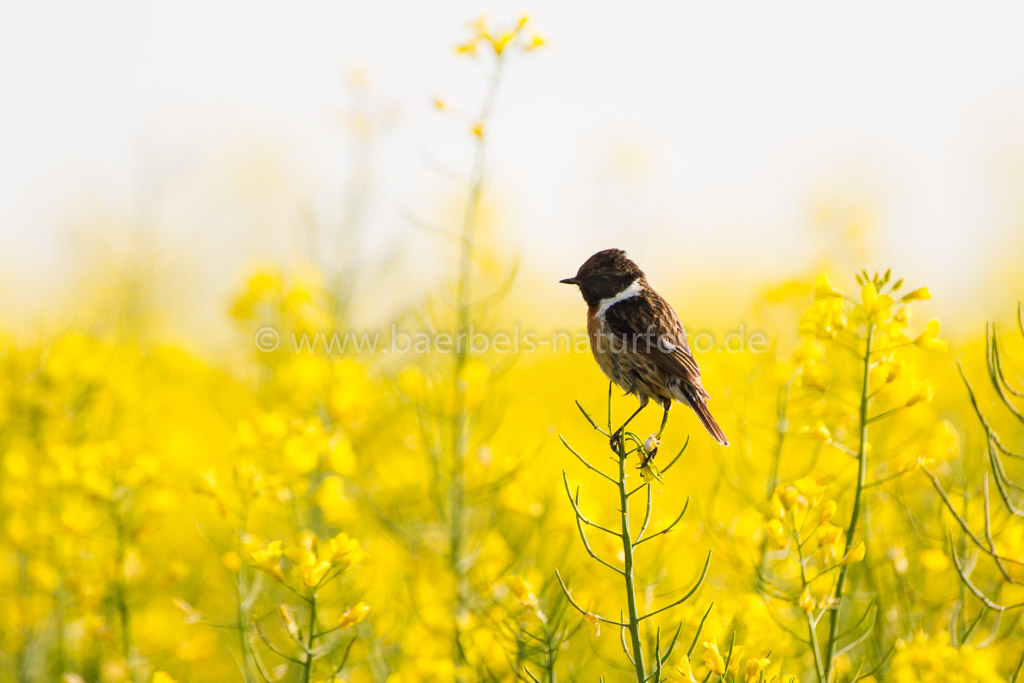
{"type": "Point", "coordinates": [604, 275]}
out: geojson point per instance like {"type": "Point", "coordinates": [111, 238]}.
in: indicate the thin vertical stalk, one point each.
{"type": "Point", "coordinates": [634, 651]}
{"type": "Point", "coordinates": [781, 427]}
{"type": "Point", "coordinates": [812, 632]}
{"type": "Point", "coordinates": [22, 658]}
{"type": "Point", "coordinates": [627, 548]}
{"type": "Point", "coordinates": [60, 602]}
{"type": "Point", "coordinates": [242, 607]}
{"type": "Point", "coordinates": [862, 471]}
{"type": "Point", "coordinates": [121, 591]}
{"type": "Point", "coordinates": [460, 415]}
{"type": "Point", "coordinates": [307, 665]}
{"type": "Point", "coordinates": [550, 645]}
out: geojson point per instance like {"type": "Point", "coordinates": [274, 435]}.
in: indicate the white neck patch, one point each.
{"type": "Point", "coordinates": [627, 293]}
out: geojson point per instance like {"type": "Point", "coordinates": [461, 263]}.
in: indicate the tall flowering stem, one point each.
{"type": "Point", "coordinates": [873, 331]}
{"type": "Point", "coordinates": [307, 568]}
{"type": "Point", "coordinates": [460, 428]}
{"type": "Point", "coordinates": [627, 444]}
{"type": "Point", "coordinates": [500, 45]}
{"type": "Point", "coordinates": [851, 530]}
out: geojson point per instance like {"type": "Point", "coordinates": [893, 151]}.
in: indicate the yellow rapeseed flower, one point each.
{"type": "Point", "coordinates": [340, 456]}
{"type": "Point", "coordinates": [929, 338]}
{"type": "Point", "coordinates": [828, 509]}
{"type": "Point", "coordinates": [943, 443]}
{"type": "Point", "coordinates": [855, 555]}
{"type": "Point", "coordinates": [823, 288]}
{"type": "Point", "coordinates": [893, 373]}
{"type": "Point", "coordinates": [43, 575]}
{"type": "Point", "coordinates": [288, 617]}
{"type": "Point", "coordinates": [412, 382]}
{"type": "Point", "coordinates": [934, 560]}
{"type": "Point", "coordinates": [713, 658]}
{"type": "Point", "coordinates": [755, 667]}
{"type": "Point", "coordinates": [829, 534]}
{"type": "Point", "coordinates": [232, 561]}
{"type": "Point", "coordinates": [809, 488]}
{"type": "Point", "coordinates": [331, 499]}
{"type": "Point", "coordinates": [917, 295]}
{"type": "Point", "coordinates": [777, 533]}
{"type": "Point", "coordinates": [499, 43]}
{"type": "Point", "coordinates": [682, 673]}
{"type": "Point", "coordinates": [869, 296]}
{"type": "Point", "coordinates": [345, 551]}
{"type": "Point", "coordinates": [267, 558]}
{"type": "Point", "coordinates": [806, 601]}
{"type": "Point", "coordinates": [480, 25]}
{"type": "Point", "coordinates": [523, 591]}
{"type": "Point", "coordinates": [922, 393]}
{"type": "Point", "coordinates": [816, 376]}
{"type": "Point", "coordinates": [353, 615]}
{"type": "Point", "coordinates": [809, 350]}
{"type": "Point", "coordinates": [313, 573]}
{"type": "Point", "coordinates": [735, 657]}
{"type": "Point", "coordinates": [788, 495]}
{"type": "Point", "coordinates": [818, 431]}
{"type": "Point", "coordinates": [301, 453]}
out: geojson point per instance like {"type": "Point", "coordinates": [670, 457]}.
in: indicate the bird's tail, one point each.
{"type": "Point", "coordinates": [701, 408]}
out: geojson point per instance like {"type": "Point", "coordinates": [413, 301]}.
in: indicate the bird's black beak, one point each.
{"type": "Point", "coordinates": [570, 281]}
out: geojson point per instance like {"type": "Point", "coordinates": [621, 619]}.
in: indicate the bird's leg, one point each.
{"type": "Point", "coordinates": [657, 440]}
{"type": "Point", "coordinates": [616, 439]}
{"type": "Point", "coordinates": [664, 421]}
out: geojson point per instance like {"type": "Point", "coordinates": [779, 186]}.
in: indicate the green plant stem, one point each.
{"type": "Point", "coordinates": [549, 661]}
{"type": "Point", "coordinates": [627, 548]}
{"type": "Point", "coordinates": [460, 418]}
{"type": "Point", "coordinates": [242, 612]}
{"type": "Point", "coordinates": [460, 426]}
{"type": "Point", "coordinates": [307, 665]}
{"type": "Point", "coordinates": [781, 426]}
{"type": "Point", "coordinates": [862, 471]}
{"type": "Point", "coordinates": [121, 590]}
{"type": "Point", "coordinates": [812, 633]}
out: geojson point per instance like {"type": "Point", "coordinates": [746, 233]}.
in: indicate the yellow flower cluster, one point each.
{"type": "Point", "coordinates": [311, 560]}
{"type": "Point", "coordinates": [928, 658]}
{"type": "Point", "coordinates": [499, 41]}
{"type": "Point", "coordinates": [150, 516]}
{"type": "Point", "coordinates": [168, 518]}
{"type": "Point", "coordinates": [251, 504]}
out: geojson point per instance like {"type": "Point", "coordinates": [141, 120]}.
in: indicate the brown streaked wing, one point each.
{"type": "Point", "coordinates": [648, 310]}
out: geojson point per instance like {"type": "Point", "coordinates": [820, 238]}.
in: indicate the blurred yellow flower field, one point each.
{"type": "Point", "coordinates": [307, 511]}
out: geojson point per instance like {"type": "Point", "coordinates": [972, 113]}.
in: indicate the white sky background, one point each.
{"type": "Point", "coordinates": [734, 117]}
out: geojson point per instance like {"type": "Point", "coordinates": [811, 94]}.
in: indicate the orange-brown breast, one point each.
{"type": "Point", "coordinates": [630, 369]}
{"type": "Point", "coordinates": [602, 347]}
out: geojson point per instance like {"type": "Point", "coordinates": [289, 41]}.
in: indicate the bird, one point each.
{"type": "Point", "coordinates": [638, 341]}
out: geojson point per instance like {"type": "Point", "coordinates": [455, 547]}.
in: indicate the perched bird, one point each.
{"type": "Point", "coordinates": [637, 339]}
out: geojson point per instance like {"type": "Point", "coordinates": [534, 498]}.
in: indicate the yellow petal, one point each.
{"type": "Point", "coordinates": [918, 295]}
{"type": "Point", "coordinates": [823, 288]}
